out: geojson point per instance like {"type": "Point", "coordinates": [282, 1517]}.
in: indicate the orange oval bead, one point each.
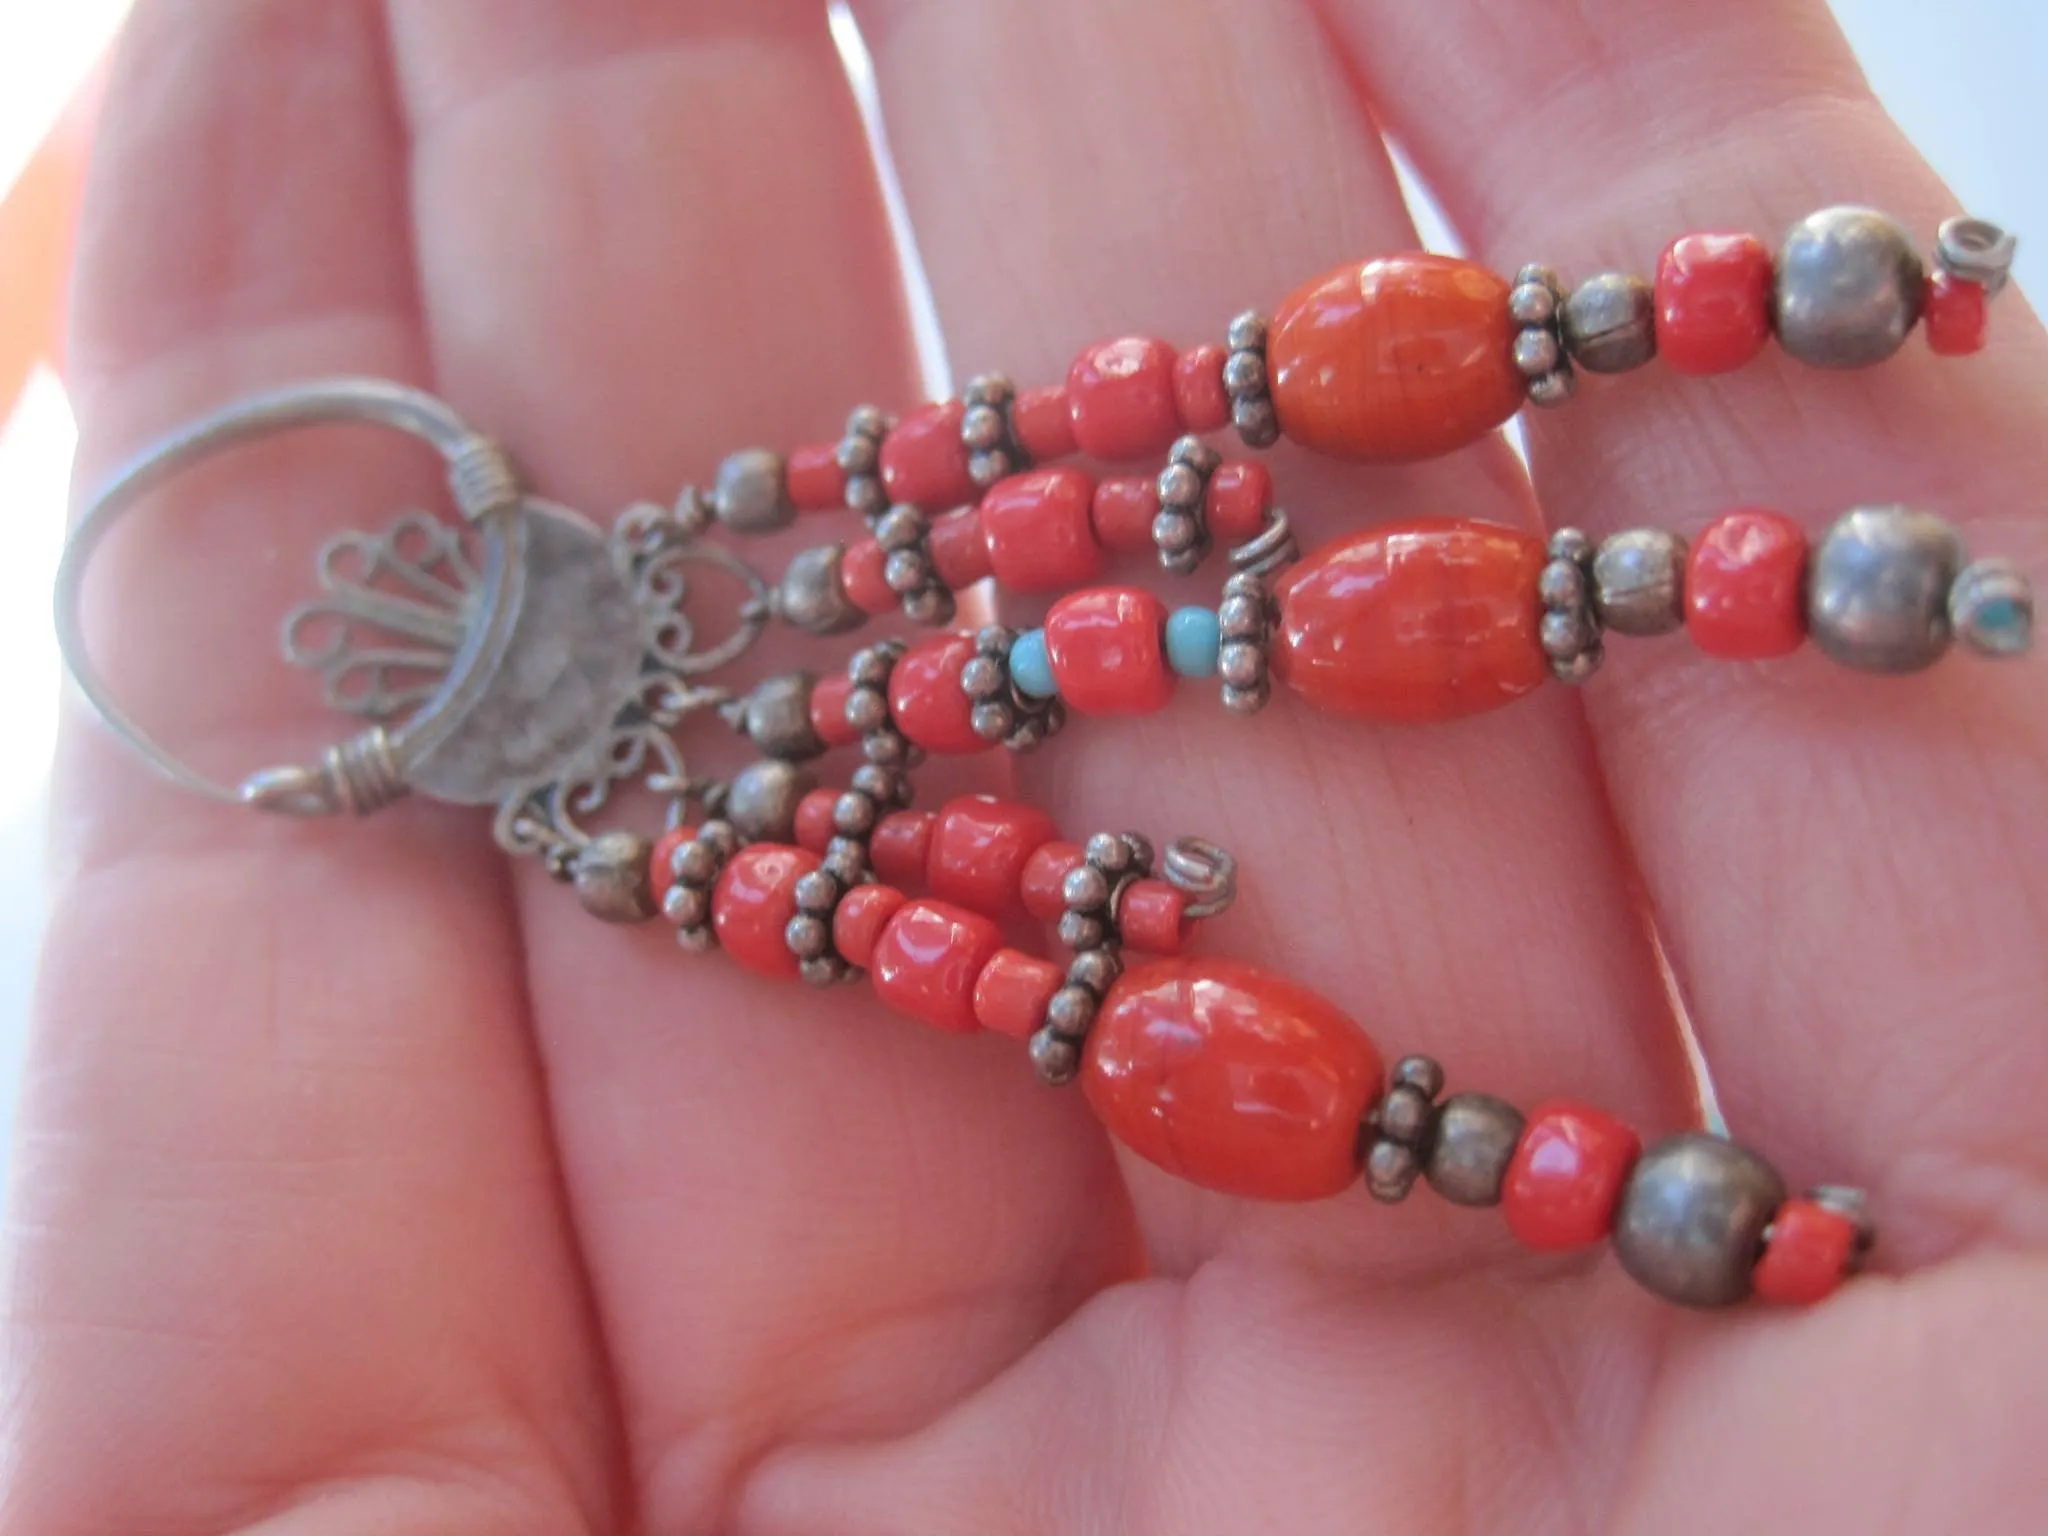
{"type": "Point", "coordinates": [1406, 357]}
{"type": "Point", "coordinates": [1232, 1078]}
{"type": "Point", "coordinates": [1427, 619]}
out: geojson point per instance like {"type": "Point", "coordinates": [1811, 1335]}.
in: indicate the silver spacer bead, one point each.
{"type": "Point", "coordinates": [1391, 1170]}
{"type": "Point", "coordinates": [1071, 1012]}
{"type": "Point", "coordinates": [1095, 969]}
{"type": "Point", "coordinates": [807, 935]}
{"type": "Point", "coordinates": [846, 860]}
{"type": "Point", "coordinates": [1975, 251]}
{"type": "Point", "coordinates": [1553, 389]}
{"type": "Point", "coordinates": [1422, 1073]}
{"type": "Point", "coordinates": [993, 720]}
{"type": "Point", "coordinates": [818, 893]}
{"type": "Point", "coordinates": [687, 906]}
{"type": "Point", "coordinates": [1537, 352]}
{"type": "Point", "coordinates": [1078, 931]}
{"type": "Point", "coordinates": [901, 527]}
{"type": "Point", "coordinates": [698, 938]}
{"type": "Point", "coordinates": [1055, 1059]}
{"type": "Point", "coordinates": [1405, 1115]}
{"type": "Point", "coordinates": [853, 815]}
{"type": "Point", "coordinates": [1991, 608]}
{"type": "Point", "coordinates": [867, 708]}
{"type": "Point", "coordinates": [1609, 324]}
{"type": "Point", "coordinates": [1247, 333]}
{"type": "Point", "coordinates": [1086, 889]}
{"type": "Point", "coordinates": [1639, 582]}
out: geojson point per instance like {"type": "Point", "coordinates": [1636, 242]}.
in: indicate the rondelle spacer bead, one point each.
{"type": "Point", "coordinates": [1848, 288]}
{"type": "Point", "coordinates": [906, 571]}
{"type": "Point", "coordinates": [1474, 1142]}
{"type": "Point", "coordinates": [1404, 1114]}
{"type": "Point", "coordinates": [1573, 544]}
{"type": "Point", "coordinates": [984, 677]}
{"type": "Point", "coordinates": [1877, 589]}
{"type": "Point", "coordinates": [807, 935]}
{"type": "Point", "coordinates": [1565, 633]}
{"type": "Point", "coordinates": [1562, 584]}
{"type": "Point", "coordinates": [1639, 582]}
{"type": "Point", "coordinates": [846, 859]}
{"type": "Point", "coordinates": [697, 863]}
{"type": "Point", "coordinates": [1108, 852]}
{"type": "Point", "coordinates": [1247, 332]}
{"type": "Point", "coordinates": [1580, 667]}
{"type": "Point", "coordinates": [1691, 1220]}
{"type": "Point", "coordinates": [1241, 664]}
{"type": "Point", "coordinates": [1537, 352]}
{"type": "Point", "coordinates": [867, 708]}
{"type": "Point", "coordinates": [687, 906]}
{"type": "Point", "coordinates": [1390, 1171]}
{"type": "Point", "coordinates": [992, 720]}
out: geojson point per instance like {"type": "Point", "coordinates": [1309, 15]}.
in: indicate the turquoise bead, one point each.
{"type": "Point", "coordinates": [1193, 638]}
{"type": "Point", "coordinates": [1031, 665]}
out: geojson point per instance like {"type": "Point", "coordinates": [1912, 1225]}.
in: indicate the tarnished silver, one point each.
{"type": "Point", "coordinates": [812, 597]}
{"type": "Point", "coordinates": [1537, 351]}
{"type": "Point", "coordinates": [1877, 589]}
{"type": "Point", "coordinates": [1405, 1114]}
{"type": "Point", "coordinates": [1564, 633]}
{"type": "Point", "coordinates": [1391, 1169]}
{"type": "Point", "coordinates": [1205, 871]}
{"type": "Point", "coordinates": [1991, 608]}
{"type": "Point", "coordinates": [1562, 584]}
{"type": "Point", "coordinates": [610, 873]}
{"type": "Point", "coordinates": [751, 494]}
{"type": "Point", "coordinates": [1639, 582]}
{"type": "Point", "coordinates": [1848, 290]}
{"type": "Point", "coordinates": [988, 430]}
{"type": "Point", "coordinates": [1245, 618]}
{"type": "Point", "coordinates": [1095, 969]}
{"type": "Point", "coordinates": [1532, 303]}
{"type": "Point", "coordinates": [775, 715]}
{"type": "Point", "coordinates": [1553, 389]}
{"type": "Point", "coordinates": [860, 460]}
{"type": "Point", "coordinates": [1056, 1059]}
{"type": "Point", "coordinates": [1071, 1011]}
{"type": "Point", "coordinates": [1468, 1156]}
{"type": "Point", "coordinates": [1609, 323]}
{"type": "Point", "coordinates": [761, 802]}
{"type": "Point", "coordinates": [1246, 383]}
{"type": "Point", "coordinates": [1422, 1073]}
{"type": "Point", "coordinates": [1078, 930]}
{"type": "Point", "coordinates": [1854, 1206]}
{"type": "Point", "coordinates": [1180, 531]}
{"type": "Point", "coordinates": [1536, 303]}
{"type": "Point", "coordinates": [1692, 1217]}
{"type": "Point", "coordinates": [1977, 251]}
{"type": "Point", "coordinates": [1271, 549]}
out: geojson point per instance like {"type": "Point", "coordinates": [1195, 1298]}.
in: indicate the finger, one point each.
{"type": "Point", "coordinates": [649, 236]}
{"type": "Point", "coordinates": [284, 1212]}
{"type": "Point", "coordinates": [1849, 869]}
{"type": "Point", "coordinates": [1411, 875]}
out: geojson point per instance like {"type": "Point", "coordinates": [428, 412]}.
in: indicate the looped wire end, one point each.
{"type": "Point", "coordinates": [1206, 871]}
{"type": "Point", "coordinates": [482, 477]}
{"type": "Point", "coordinates": [356, 776]}
{"type": "Point", "coordinates": [1271, 549]}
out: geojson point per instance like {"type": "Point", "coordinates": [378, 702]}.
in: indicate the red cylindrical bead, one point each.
{"type": "Point", "coordinates": [1123, 511]}
{"type": "Point", "coordinates": [1120, 399]}
{"type": "Point", "coordinates": [661, 872]}
{"type": "Point", "coordinates": [959, 552]}
{"type": "Point", "coordinates": [1713, 302]}
{"type": "Point", "coordinates": [1232, 1078]}
{"type": "Point", "coordinates": [928, 959]}
{"type": "Point", "coordinates": [979, 850]}
{"type": "Point", "coordinates": [1745, 586]}
{"type": "Point", "coordinates": [1239, 500]}
{"type": "Point", "coordinates": [828, 710]}
{"type": "Point", "coordinates": [753, 902]}
{"type": "Point", "coordinates": [814, 828]}
{"type": "Point", "coordinates": [1152, 916]}
{"type": "Point", "coordinates": [860, 917]}
{"type": "Point", "coordinates": [900, 846]}
{"type": "Point", "coordinates": [924, 462]}
{"type": "Point", "coordinates": [1808, 1253]}
{"type": "Point", "coordinates": [1566, 1176]}
{"type": "Point", "coordinates": [1428, 619]}
{"type": "Point", "coordinates": [1108, 651]}
{"type": "Point", "coordinates": [1957, 315]}
{"type": "Point", "coordinates": [1012, 990]}
{"type": "Point", "coordinates": [862, 573]}
{"type": "Point", "coordinates": [1037, 530]}
{"type": "Point", "coordinates": [816, 482]}
{"type": "Point", "coordinates": [1043, 883]}
{"type": "Point", "coordinates": [1198, 392]}
{"type": "Point", "coordinates": [1043, 423]}
{"type": "Point", "coordinates": [925, 697]}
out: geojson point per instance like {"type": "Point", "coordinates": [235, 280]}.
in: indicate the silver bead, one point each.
{"type": "Point", "coordinates": [858, 454]}
{"type": "Point", "coordinates": [853, 815]}
{"type": "Point", "coordinates": [1241, 618]}
{"type": "Point", "coordinates": [1247, 332]}
{"type": "Point", "coordinates": [1086, 889]}
{"type": "Point", "coordinates": [868, 421]}
{"type": "Point", "coordinates": [611, 878]}
{"type": "Point", "coordinates": [1579, 668]}
{"type": "Point", "coordinates": [983, 677]}
{"type": "Point", "coordinates": [994, 640]}
{"type": "Point", "coordinates": [1639, 582]}
{"type": "Point", "coordinates": [807, 936]}
{"type": "Point", "coordinates": [1256, 422]}
{"type": "Point", "coordinates": [1196, 454]}
{"type": "Point", "coordinates": [1475, 1137]}
{"type": "Point", "coordinates": [1976, 251]}
{"type": "Point", "coordinates": [1240, 664]}
{"type": "Point", "coordinates": [1537, 352]}
{"type": "Point", "coordinates": [989, 465]}
{"type": "Point", "coordinates": [1573, 544]}
{"type": "Point", "coordinates": [1878, 587]}
{"type": "Point", "coordinates": [698, 863]}
{"type": "Point", "coordinates": [846, 861]}
{"type": "Point", "coordinates": [1056, 1059]}
{"type": "Point", "coordinates": [901, 527]}
{"type": "Point", "coordinates": [867, 708]}
{"type": "Point", "coordinates": [1390, 1171]}
{"type": "Point", "coordinates": [751, 494]}
{"type": "Point", "coordinates": [866, 496]}
{"type": "Point", "coordinates": [1095, 969]}
{"type": "Point", "coordinates": [1691, 1219]}
{"type": "Point", "coordinates": [1070, 1012]}
{"type": "Point", "coordinates": [1247, 701]}
{"type": "Point", "coordinates": [906, 571]}
{"type": "Point", "coordinates": [880, 782]}
{"type": "Point", "coordinates": [929, 605]}
{"type": "Point", "coordinates": [811, 596]}
{"type": "Point", "coordinates": [1991, 607]}
{"type": "Point", "coordinates": [1422, 1073]}
{"type": "Point", "coordinates": [1108, 852]}
{"type": "Point", "coordinates": [687, 906]}
{"type": "Point", "coordinates": [982, 427]}
{"type": "Point", "coordinates": [1244, 373]}
{"type": "Point", "coordinates": [817, 893]}
{"type": "Point", "coordinates": [1532, 304]}
{"type": "Point", "coordinates": [1140, 849]}
{"type": "Point", "coordinates": [871, 665]}
{"type": "Point", "coordinates": [988, 389]}
{"type": "Point", "coordinates": [1536, 275]}
{"type": "Point", "coordinates": [1564, 632]}
{"type": "Point", "coordinates": [1553, 389]}
{"type": "Point", "coordinates": [1848, 289]}
{"type": "Point", "coordinates": [697, 938]}
{"type": "Point", "coordinates": [885, 749]}
{"type": "Point", "coordinates": [1562, 584]}
{"type": "Point", "coordinates": [718, 833]}
{"type": "Point", "coordinates": [762, 801]}
{"type": "Point", "coordinates": [1404, 1114]}
{"type": "Point", "coordinates": [821, 970]}
{"type": "Point", "coordinates": [992, 720]}
{"type": "Point", "coordinates": [1080, 932]}
{"type": "Point", "coordinates": [1610, 323]}
{"type": "Point", "coordinates": [692, 511]}
{"type": "Point", "coordinates": [1180, 485]}
{"type": "Point", "coordinates": [777, 716]}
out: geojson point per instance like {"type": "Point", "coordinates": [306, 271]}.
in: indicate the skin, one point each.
{"type": "Point", "coordinates": [364, 1185]}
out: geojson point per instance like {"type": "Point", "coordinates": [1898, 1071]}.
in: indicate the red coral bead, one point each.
{"type": "Point", "coordinates": [814, 829]}
{"type": "Point", "coordinates": [1566, 1176]}
{"type": "Point", "coordinates": [1012, 990]}
{"type": "Point", "coordinates": [1108, 651]}
{"type": "Point", "coordinates": [1043, 423]}
{"type": "Point", "coordinates": [1121, 401]}
{"type": "Point", "coordinates": [979, 850]}
{"type": "Point", "coordinates": [928, 959]}
{"type": "Point", "coordinates": [924, 461]}
{"type": "Point", "coordinates": [1198, 392]}
{"type": "Point", "coordinates": [661, 867]}
{"type": "Point", "coordinates": [1745, 586]}
{"type": "Point", "coordinates": [1232, 1078]}
{"type": "Point", "coordinates": [959, 552]}
{"type": "Point", "coordinates": [1152, 917]}
{"type": "Point", "coordinates": [1713, 301]}
{"type": "Point", "coordinates": [816, 482]}
{"type": "Point", "coordinates": [1123, 511]}
{"type": "Point", "coordinates": [1043, 884]}
{"type": "Point", "coordinates": [1957, 315]}
{"type": "Point", "coordinates": [1239, 498]}
{"type": "Point", "coordinates": [1808, 1253]}
{"type": "Point", "coordinates": [828, 710]}
{"type": "Point", "coordinates": [1428, 619]}
{"type": "Point", "coordinates": [860, 917]}
{"type": "Point", "coordinates": [862, 573]}
{"type": "Point", "coordinates": [925, 697]}
{"type": "Point", "coordinates": [1038, 532]}
{"type": "Point", "coordinates": [753, 902]}
{"type": "Point", "coordinates": [900, 845]}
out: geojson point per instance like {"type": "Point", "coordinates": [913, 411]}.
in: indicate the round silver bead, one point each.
{"type": "Point", "coordinates": [1086, 889]}
{"type": "Point", "coordinates": [1877, 589]}
{"type": "Point", "coordinates": [992, 720]}
{"type": "Point", "coordinates": [994, 640]}
{"type": "Point", "coordinates": [1562, 584]}
{"type": "Point", "coordinates": [1422, 1073]}
{"type": "Point", "coordinates": [1848, 290]}
{"type": "Point", "coordinates": [1095, 969]}
{"type": "Point", "coordinates": [687, 906]}
{"type": "Point", "coordinates": [1610, 323]}
{"type": "Point", "coordinates": [1991, 608]}
{"type": "Point", "coordinates": [1551, 390]}
{"type": "Point", "coordinates": [611, 878]}
{"type": "Point", "coordinates": [1070, 1012]}
{"type": "Point", "coordinates": [751, 494]}
{"type": "Point", "coordinates": [1405, 1114]}
{"type": "Point", "coordinates": [817, 893]}
{"type": "Point", "coordinates": [811, 595]}
{"type": "Point", "coordinates": [988, 389]}
{"type": "Point", "coordinates": [697, 863]}
{"type": "Point", "coordinates": [1247, 332]}
{"type": "Point", "coordinates": [1240, 664]}
{"type": "Point", "coordinates": [1537, 352]}
{"type": "Point", "coordinates": [1475, 1137]}
{"type": "Point", "coordinates": [1573, 544]}
{"type": "Point", "coordinates": [807, 935]}
{"type": "Point", "coordinates": [983, 677]}
{"type": "Point", "coordinates": [906, 571]}
{"type": "Point", "coordinates": [1691, 1219]}
{"type": "Point", "coordinates": [1056, 1059]}
{"type": "Point", "coordinates": [1564, 632]}
{"type": "Point", "coordinates": [901, 527]}
{"type": "Point", "coordinates": [853, 815]}
{"type": "Point", "coordinates": [777, 716]}
{"type": "Point", "coordinates": [1390, 1171]}
{"type": "Point", "coordinates": [761, 804]}
{"type": "Point", "coordinates": [1532, 304]}
{"type": "Point", "coordinates": [871, 665]}
{"type": "Point", "coordinates": [1108, 852]}
{"type": "Point", "coordinates": [928, 605]}
{"type": "Point", "coordinates": [1256, 422]}
{"type": "Point", "coordinates": [1078, 931]}
{"type": "Point", "coordinates": [867, 708]}
{"type": "Point", "coordinates": [846, 861]}
{"type": "Point", "coordinates": [1639, 582]}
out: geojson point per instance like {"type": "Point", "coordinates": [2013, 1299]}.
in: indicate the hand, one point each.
{"type": "Point", "coordinates": [366, 1185]}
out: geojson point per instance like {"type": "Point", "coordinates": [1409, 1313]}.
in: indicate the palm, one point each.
{"type": "Point", "coordinates": [367, 1186]}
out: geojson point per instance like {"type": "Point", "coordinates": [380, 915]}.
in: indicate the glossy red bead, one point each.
{"type": "Point", "coordinates": [1745, 586]}
{"type": "Point", "coordinates": [925, 697]}
{"type": "Point", "coordinates": [979, 849]}
{"type": "Point", "coordinates": [814, 828]}
{"type": "Point", "coordinates": [1043, 883]}
{"type": "Point", "coordinates": [1043, 423]}
{"type": "Point", "coordinates": [1713, 302]}
{"type": "Point", "coordinates": [929, 957]}
{"type": "Point", "coordinates": [828, 710]}
{"type": "Point", "coordinates": [1401, 358]}
{"type": "Point", "coordinates": [860, 917]}
{"type": "Point", "coordinates": [924, 462]}
{"type": "Point", "coordinates": [1108, 651]}
{"type": "Point", "coordinates": [1038, 531]}
{"type": "Point", "coordinates": [1566, 1176]}
{"type": "Point", "coordinates": [1152, 917]}
{"type": "Point", "coordinates": [900, 846]}
{"type": "Point", "coordinates": [1232, 1078]}
{"type": "Point", "coordinates": [1122, 513]}
{"type": "Point", "coordinates": [1239, 500]}
{"type": "Point", "coordinates": [959, 552]}
{"type": "Point", "coordinates": [1012, 990]}
{"type": "Point", "coordinates": [1428, 619]}
{"type": "Point", "coordinates": [753, 902]}
{"type": "Point", "coordinates": [1198, 392]}
{"type": "Point", "coordinates": [1957, 315]}
{"type": "Point", "coordinates": [1120, 399]}
{"type": "Point", "coordinates": [816, 482]}
{"type": "Point", "coordinates": [862, 573]}
{"type": "Point", "coordinates": [661, 869]}
{"type": "Point", "coordinates": [1809, 1252]}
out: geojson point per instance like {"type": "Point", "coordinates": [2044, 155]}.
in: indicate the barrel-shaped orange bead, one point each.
{"type": "Point", "coordinates": [1428, 619]}
{"type": "Point", "coordinates": [1232, 1078]}
{"type": "Point", "coordinates": [1405, 357]}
